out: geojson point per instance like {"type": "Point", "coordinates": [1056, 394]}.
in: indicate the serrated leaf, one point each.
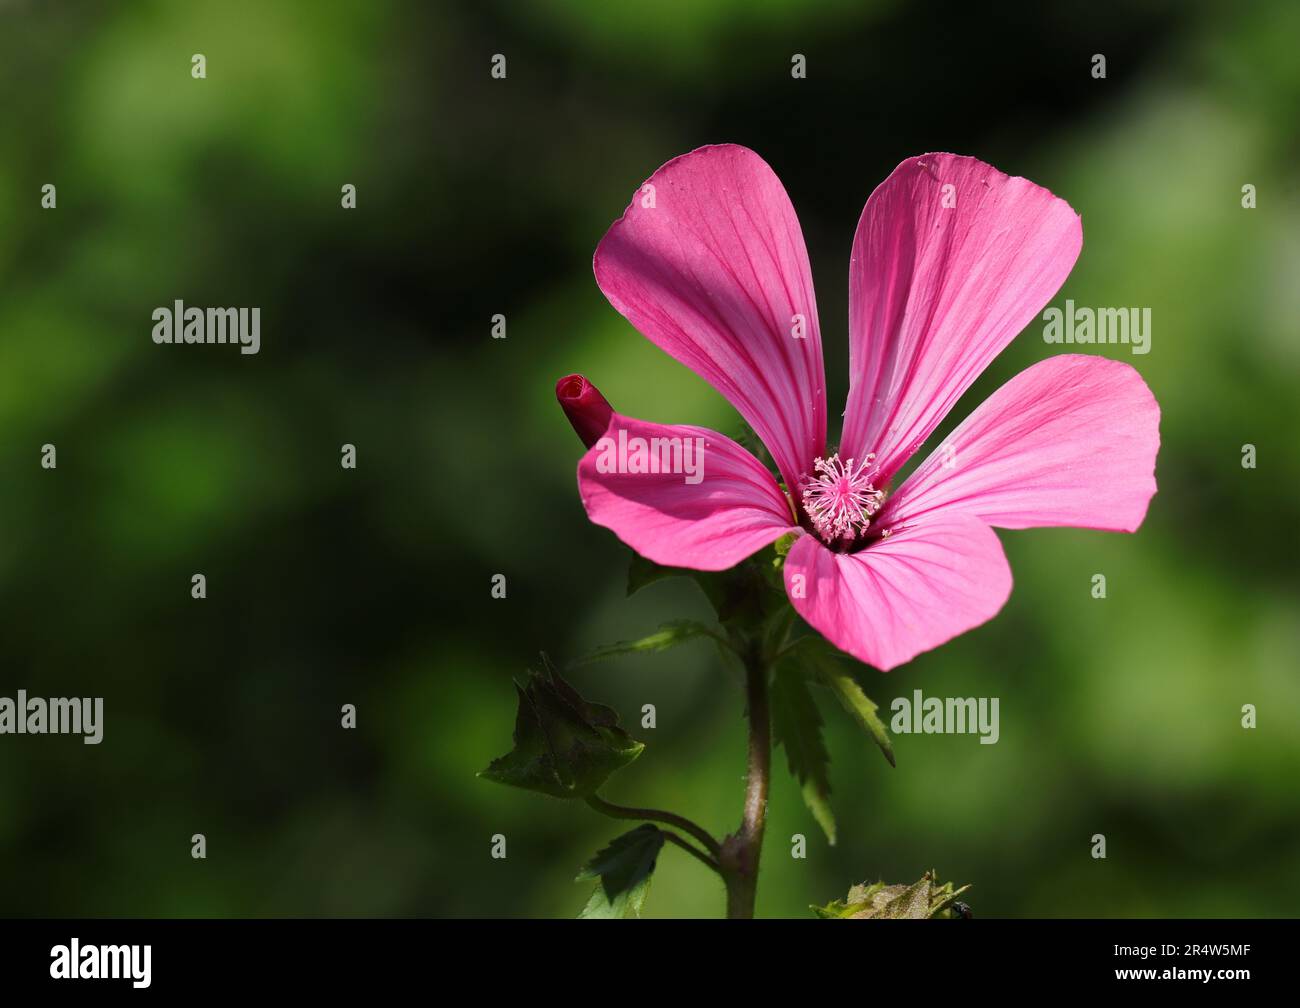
{"type": "Point", "coordinates": [899, 902]}
{"type": "Point", "coordinates": [669, 635]}
{"type": "Point", "coordinates": [797, 727]}
{"type": "Point", "coordinates": [565, 746]}
{"type": "Point", "coordinates": [923, 899]}
{"type": "Point", "coordinates": [861, 706]}
{"type": "Point", "coordinates": [623, 868]}
{"type": "Point", "coordinates": [830, 670]}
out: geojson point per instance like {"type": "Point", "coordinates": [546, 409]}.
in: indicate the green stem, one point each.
{"type": "Point", "coordinates": [692, 850]}
{"type": "Point", "coordinates": [740, 853]}
{"type": "Point", "coordinates": [655, 815]}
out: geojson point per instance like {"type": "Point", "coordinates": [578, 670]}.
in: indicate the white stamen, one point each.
{"type": "Point", "coordinates": [840, 499]}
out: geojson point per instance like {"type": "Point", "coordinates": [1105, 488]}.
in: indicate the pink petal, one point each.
{"type": "Point", "coordinates": [1069, 441]}
{"type": "Point", "coordinates": [935, 292]}
{"type": "Point", "coordinates": [734, 510]}
{"type": "Point", "coordinates": [909, 593]}
{"type": "Point", "coordinates": [714, 274]}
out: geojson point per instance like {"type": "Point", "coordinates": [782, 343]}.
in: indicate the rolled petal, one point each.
{"type": "Point", "coordinates": [681, 496]}
{"type": "Point", "coordinates": [951, 260]}
{"type": "Point", "coordinates": [709, 263]}
{"type": "Point", "coordinates": [924, 585]}
{"type": "Point", "coordinates": [1069, 441]}
{"type": "Point", "coordinates": [585, 407]}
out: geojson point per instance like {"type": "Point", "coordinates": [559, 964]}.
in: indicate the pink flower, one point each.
{"type": "Point", "coordinates": [951, 260]}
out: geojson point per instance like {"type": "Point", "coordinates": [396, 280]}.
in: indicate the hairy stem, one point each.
{"type": "Point", "coordinates": [656, 815]}
{"type": "Point", "coordinates": [741, 851]}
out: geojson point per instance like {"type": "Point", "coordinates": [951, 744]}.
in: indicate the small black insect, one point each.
{"type": "Point", "coordinates": [962, 910]}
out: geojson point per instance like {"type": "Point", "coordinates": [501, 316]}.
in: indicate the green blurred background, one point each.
{"type": "Point", "coordinates": [480, 196]}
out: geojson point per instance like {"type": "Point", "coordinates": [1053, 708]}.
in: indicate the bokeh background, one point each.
{"type": "Point", "coordinates": [480, 196]}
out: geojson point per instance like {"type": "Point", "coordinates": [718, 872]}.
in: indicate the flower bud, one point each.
{"type": "Point", "coordinates": [585, 407]}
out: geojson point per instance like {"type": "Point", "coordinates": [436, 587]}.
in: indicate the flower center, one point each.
{"type": "Point", "coordinates": [839, 499]}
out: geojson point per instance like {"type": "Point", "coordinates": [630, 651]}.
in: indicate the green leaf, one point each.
{"type": "Point", "coordinates": [642, 572]}
{"type": "Point", "coordinates": [797, 726]}
{"type": "Point", "coordinates": [624, 869]}
{"type": "Point", "coordinates": [734, 594]}
{"type": "Point", "coordinates": [669, 635]}
{"type": "Point", "coordinates": [829, 668]}
{"type": "Point", "coordinates": [716, 585]}
{"type": "Point", "coordinates": [565, 746]}
{"type": "Point", "coordinates": [923, 899]}
{"type": "Point", "coordinates": [861, 706]}
{"type": "Point", "coordinates": [776, 629]}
